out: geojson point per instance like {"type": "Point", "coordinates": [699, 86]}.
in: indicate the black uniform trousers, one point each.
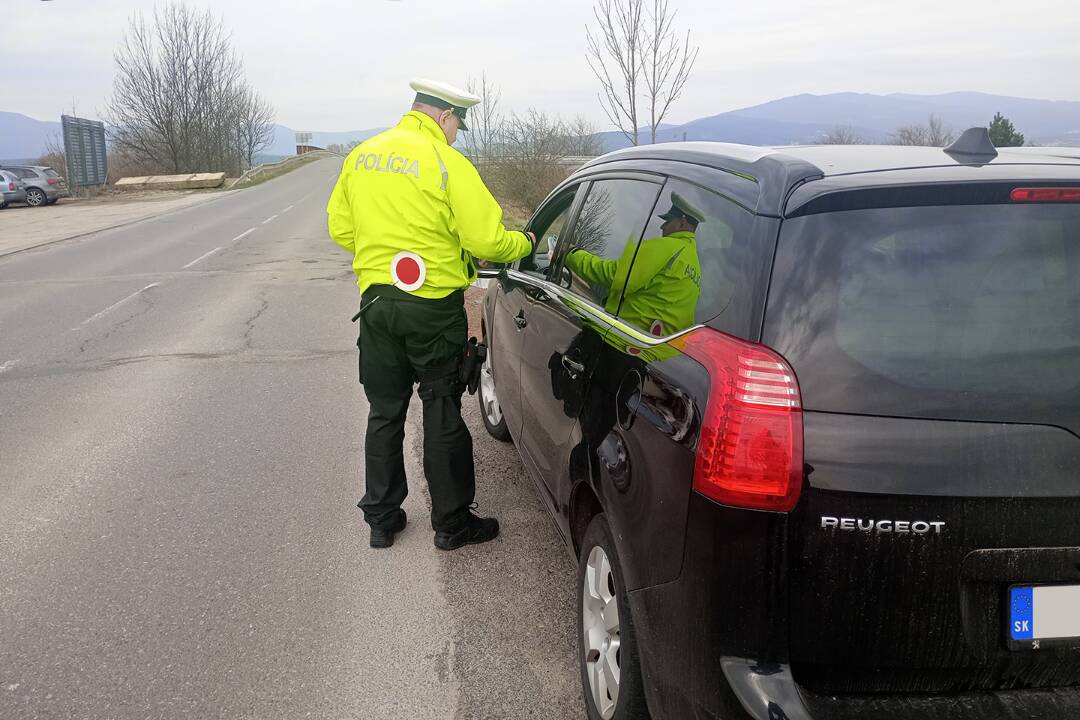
{"type": "Point", "coordinates": [405, 340]}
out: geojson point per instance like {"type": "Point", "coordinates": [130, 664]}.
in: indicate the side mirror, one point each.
{"type": "Point", "coordinates": [492, 271]}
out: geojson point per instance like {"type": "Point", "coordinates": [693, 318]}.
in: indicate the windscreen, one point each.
{"type": "Point", "coordinates": [956, 312]}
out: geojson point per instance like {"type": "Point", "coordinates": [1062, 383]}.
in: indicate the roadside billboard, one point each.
{"type": "Point", "coordinates": [84, 145]}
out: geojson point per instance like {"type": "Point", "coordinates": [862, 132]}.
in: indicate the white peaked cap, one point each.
{"type": "Point", "coordinates": [444, 91]}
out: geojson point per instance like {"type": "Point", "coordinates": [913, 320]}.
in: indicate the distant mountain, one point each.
{"type": "Point", "coordinates": [807, 118]}
{"type": "Point", "coordinates": [790, 120]}
{"type": "Point", "coordinates": [24, 138]}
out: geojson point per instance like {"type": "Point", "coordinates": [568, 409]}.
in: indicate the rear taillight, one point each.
{"type": "Point", "coordinates": [1046, 194]}
{"type": "Point", "coordinates": [53, 181]}
{"type": "Point", "coordinates": [750, 451]}
{"type": "Point", "coordinates": [11, 186]}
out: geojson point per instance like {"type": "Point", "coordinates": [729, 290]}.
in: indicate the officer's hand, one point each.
{"type": "Point", "coordinates": [532, 239]}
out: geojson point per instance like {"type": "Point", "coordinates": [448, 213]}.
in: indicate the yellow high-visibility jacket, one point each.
{"type": "Point", "coordinates": [407, 190]}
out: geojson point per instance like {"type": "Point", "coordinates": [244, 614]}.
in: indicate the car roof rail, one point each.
{"type": "Point", "coordinates": [973, 146]}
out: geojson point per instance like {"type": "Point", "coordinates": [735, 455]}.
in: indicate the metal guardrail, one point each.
{"type": "Point", "coordinates": [254, 172]}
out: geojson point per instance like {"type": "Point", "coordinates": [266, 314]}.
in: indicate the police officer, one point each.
{"type": "Point", "coordinates": [415, 213]}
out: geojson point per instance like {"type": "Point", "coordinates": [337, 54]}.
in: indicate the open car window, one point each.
{"type": "Point", "coordinates": [595, 261]}
{"type": "Point", "coordinates": [550, 225]}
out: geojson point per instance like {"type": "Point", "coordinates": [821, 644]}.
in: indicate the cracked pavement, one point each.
{"type": "Point", "coordinates": [180, 458]}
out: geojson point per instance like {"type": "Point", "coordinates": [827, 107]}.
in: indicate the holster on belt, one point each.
{"type": "Point", "coordinates": [471, 364]}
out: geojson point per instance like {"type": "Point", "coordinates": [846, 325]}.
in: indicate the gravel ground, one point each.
{"type": "Point", "coordinates": [513, 601]}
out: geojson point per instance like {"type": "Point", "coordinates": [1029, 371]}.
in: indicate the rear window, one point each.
{"type": "Point", "coordinates": [49, 172]}
{"type": "Point", "coordinates": [958, 312]}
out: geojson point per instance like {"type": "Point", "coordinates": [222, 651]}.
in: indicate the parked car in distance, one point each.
{"type": "Point", "coordinates": [44, 185]}
{"type": "Point", "coordinates": [808, 420]}
{"type": "Point", "coordinates": [12, 189]}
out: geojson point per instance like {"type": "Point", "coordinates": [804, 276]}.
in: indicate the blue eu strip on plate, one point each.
{"type": "Point", "coordinates": [1022, 624]}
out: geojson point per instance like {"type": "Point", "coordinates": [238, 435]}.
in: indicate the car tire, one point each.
{"type": "Point", "coordinates": [490, 410]}
{"type": "Point", "coordinates": [35, 197]}
{"type": "Point", "coordinates": [607, 646]}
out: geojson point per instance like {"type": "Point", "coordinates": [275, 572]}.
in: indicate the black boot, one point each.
{"type": "Point", "coordinates": [475, 530]}
{"type": "Point", "coordinates": [384, 537]}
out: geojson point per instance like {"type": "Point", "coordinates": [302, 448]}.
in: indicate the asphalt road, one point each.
{"type": "Point", "coordinates": [180, 457]}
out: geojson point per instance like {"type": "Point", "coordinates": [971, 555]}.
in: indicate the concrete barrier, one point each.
{"type": "Point", "coordinates": [194, 181]}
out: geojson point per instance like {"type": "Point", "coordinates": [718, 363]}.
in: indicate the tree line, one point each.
{"type": "Point", "coordinates": [932, 133]}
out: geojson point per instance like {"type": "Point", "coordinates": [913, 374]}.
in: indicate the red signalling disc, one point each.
{"type": "Point", "coordinates": [408, 271]}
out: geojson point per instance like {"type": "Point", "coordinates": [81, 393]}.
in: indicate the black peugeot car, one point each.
{"type": "Point", "coordinates": [808, 419]}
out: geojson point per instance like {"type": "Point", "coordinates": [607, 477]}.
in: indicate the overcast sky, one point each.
{"type": "Point", "coordinates": [345, 64]}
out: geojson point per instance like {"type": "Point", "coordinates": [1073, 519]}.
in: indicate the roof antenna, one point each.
{"type": "Point", "coordinates": [973, 146]}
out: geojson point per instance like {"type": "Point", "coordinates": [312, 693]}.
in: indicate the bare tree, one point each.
{"type": "Point", "coordinates": [937, 135]}
{"type": "Point", "coordinates": [180, 101]}
{"type": "Point", "coordinates": [666, 62]}
{"type": "Point", "coordinates": [256, 125]}
{"type": "Point", "coordinates": [581, 138]}
{"type": "Point", "coordinates": [615, 56]}
{"type": "Point", "coordinates": [55, 155]}
{"type": "Point", "coordinates": [932, 134]}
{"type": "Point", "coordinates": [841, 135]}
{"type": "Point", "coordinates": [343, 148]}
{"type": "Point", "coordinates": [595, 220]}
{"type": "Point", "coordinates": [480, 143]}
{"type": "Point", "coordinates": [530, 163]}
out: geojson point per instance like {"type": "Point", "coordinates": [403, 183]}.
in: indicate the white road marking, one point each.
{"type": "Point", "coordinates": [115, 305]}
{"type": "Point", "coordinates": [201, 257]}
{"type": "Point", "coordinates": [241, 236]}
{"type": "Point", "coordinates": [287, 209]}
{"type": "Point", "coordinates": [268, 219]}
{"type": "Point", "coordinates": [5, 366]}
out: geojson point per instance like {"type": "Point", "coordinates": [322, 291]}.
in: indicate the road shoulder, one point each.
{"type": "Point", "coordinates": [26, 228]}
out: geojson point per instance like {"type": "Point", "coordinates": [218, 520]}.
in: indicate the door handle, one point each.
{"type": "Point", "coordinates": [573, 367]}
{"type": "Point", "coordinates": [520, 320]}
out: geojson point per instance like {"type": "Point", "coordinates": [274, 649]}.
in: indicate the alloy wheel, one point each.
{"type": "Point", "coordinates": [490, 402]}
{"type": "Point", "coordinates": [600, 625]}
{"type": "Point", "coordinates": [35, 198]}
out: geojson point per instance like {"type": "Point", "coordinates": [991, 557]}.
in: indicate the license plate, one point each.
{"type": "Point", "coordinates": [1043, 616]}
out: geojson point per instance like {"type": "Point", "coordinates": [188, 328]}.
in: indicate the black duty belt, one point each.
{"type": "Point", "coordinates": [389, 292]}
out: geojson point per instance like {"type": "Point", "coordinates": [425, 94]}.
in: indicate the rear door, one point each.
{"type": "Point", "coordinates": [639, 422]}
{"type": "Point", "coordinates": [565, 322]}
{"type": "Point", "coordinates": [938, 353]}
